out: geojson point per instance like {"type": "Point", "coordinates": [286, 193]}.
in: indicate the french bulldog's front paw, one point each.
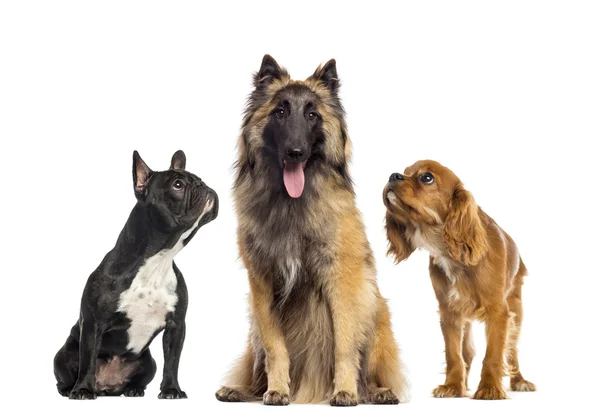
{"type": "Point", "coordinates": [134, 392]}
{"type": "Point", "coordinates": [275, 398]}
{"type": "Point", "coordinates": [82, 394]}
{"type": "Point", "coordinates": [172, 394]}
{"type": "Point", "coordinates": [343, 398]}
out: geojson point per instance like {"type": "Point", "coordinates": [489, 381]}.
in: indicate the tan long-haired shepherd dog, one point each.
{"type": "Point", "coordinates": [475, 268]}
{"type": "Point", "coordinates": [320, 329]}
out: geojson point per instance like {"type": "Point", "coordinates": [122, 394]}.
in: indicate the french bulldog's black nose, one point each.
{"type": "Point", "coordinates": [294, 154]}
{"type": "Point", "coordinates": [395, 177]}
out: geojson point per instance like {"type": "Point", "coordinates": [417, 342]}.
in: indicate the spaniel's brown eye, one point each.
{"type": "Point", "coordinates": [178, 185]}
{"type": "Point", "coordinates": [312, 115]}
{"type": "Point", "coordinates": [426, 178]}
{"type": "Point", "coordinates": [280, 113]}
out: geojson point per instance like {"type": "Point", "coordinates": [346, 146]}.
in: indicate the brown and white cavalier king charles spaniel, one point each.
{"type": "Point", "coordinates": [475, 268]}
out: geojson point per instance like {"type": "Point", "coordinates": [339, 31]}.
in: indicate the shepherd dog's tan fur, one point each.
{"type": "Point", "coordinates": [320, 329]}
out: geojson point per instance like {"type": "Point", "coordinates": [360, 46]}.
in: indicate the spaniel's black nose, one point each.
{"type": "Point", "coordinates": [395, 177]}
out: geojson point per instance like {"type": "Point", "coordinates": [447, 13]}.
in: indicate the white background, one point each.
{"type": "Point", "coordinates": [505, 94]}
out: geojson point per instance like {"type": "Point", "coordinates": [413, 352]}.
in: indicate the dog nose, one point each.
{"type": "Point", "coordinates": [294, 153]}
{"type": "Point", "coordinates": [395, 177]}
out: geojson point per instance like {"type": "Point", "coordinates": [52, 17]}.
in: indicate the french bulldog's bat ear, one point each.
{"type": "Point", "coordinates": [178, 160]}
{"type": "Point", "coordinates": [327, 75]}
{"type": "Point", "coordinates": [141, 175]}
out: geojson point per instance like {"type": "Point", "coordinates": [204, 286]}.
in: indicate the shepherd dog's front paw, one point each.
{"type": "Point", "coordinates": [275, 398]}
{"type": "Point", "coordinates": [82, 394]}
{"type": "Point", "coordinates": [343, 398]}
{"type": "Point", "coordinates": [384, 396]}
{"type": "Point", "coordinates": [172, 394]}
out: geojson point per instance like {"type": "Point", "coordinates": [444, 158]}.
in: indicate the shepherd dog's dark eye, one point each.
{"type": "Point", "coordinates": [280, 112]}
{"type": "Point", "coordinates": [178, 185]}
{"type": "Point", "coordinates": [312, 115]}
{"type": "Point", "coordinates": [426, 178]}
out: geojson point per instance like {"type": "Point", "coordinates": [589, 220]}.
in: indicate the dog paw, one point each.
{"type": "Point", "coordinates": [490, 393]}
{"type": "Point", "coordinates": [522, 385]}
{"type": "Point", "coordinates": [171, 394]}
{"type": "Point", "coordinates": [384, 396]}
{"type": "Point", "coordinates": [64, 391]}
{"type": "Point", "coordinates": [343, 398]}
{"type": "Point", "coordinates": [134, 392]}
{"type": "Point", "coordinates": [226, 394]}
{"type": "Point", "coordinates": [275, 398]}
{"type": "Point", "coordinates": [82, 394]}
{"type": "Point", "coordinates": [448, 391]}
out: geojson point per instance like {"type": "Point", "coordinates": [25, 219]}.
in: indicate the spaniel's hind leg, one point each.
{"type": "Point", "coordinates": [468, 350]}
{"type": "Point", "coordinates": [386, 378]}
{"type": "Point", "coordinates": [247, 380]}
{"type": "Point", "coordinates": [515, 305]}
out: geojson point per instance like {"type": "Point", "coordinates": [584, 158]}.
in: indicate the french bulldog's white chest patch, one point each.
{"type": "Point", "coordinates": [153, 293]}
{"type": "Point", "coordinates": [151, 296]}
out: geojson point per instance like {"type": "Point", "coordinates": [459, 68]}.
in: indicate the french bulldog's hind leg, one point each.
{"type": "Point", "coordinates": [143, 376]}
{"type": "Point", "coordinates": [66, 366]}
{"type": "Point", "coordinates": [116, 376]}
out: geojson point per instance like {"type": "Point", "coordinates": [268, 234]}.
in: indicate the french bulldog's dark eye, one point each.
{"type": "Point", "coordinates": [312, 115]}
{"type": "Point", "coordinates": [279, 112]}
{"type": "Point", "coordinates": [426, 178]}
{"type": "Point", "coordinates": [178, 185]}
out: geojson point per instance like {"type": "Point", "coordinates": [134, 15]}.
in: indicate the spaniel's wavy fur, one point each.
{"type": "Point", "coordinates": [475, 268]}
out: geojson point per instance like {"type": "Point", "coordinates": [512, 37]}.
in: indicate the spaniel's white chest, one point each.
{"type": "Point", "coordinates": [150, 298]}
{"type": "Point", "coordinates": [434, 246]}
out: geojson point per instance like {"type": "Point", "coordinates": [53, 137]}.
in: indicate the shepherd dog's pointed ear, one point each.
{"type": "Point", "coordinates": [269, 71]}
{"type": "Point", "coordinates": [327, 75]}
{"type": "Point", "coordinates": [141, 175]}
{"type": "Point", "coordinates": [463, 230]}
{"type": "Point", "coordinates": [178, 160]}
{"type": "Point", "coordinates": [399, 246]}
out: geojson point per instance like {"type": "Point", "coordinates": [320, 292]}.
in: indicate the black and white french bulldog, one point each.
{"type": "Point", "coordinates": [137, 291]}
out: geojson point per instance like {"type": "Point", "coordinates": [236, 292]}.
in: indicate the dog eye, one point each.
{"type": "Point", "coordinates": [426, 178]}
{"type": "Point", "coordinates": [178, 185]}
{"type": "Point", "coordinates": [280, 112]}
{"type": "Point", "coordinates": [312, 115]}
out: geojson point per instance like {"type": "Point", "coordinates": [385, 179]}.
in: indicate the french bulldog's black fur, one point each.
{"type": "Point", "coordinates": [95, 360]}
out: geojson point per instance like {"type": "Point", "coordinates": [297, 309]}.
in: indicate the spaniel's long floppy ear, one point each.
{"type": "Point", "coordinates": [463, 230]}
{"type": "Point", "coordinates": [399, 246]}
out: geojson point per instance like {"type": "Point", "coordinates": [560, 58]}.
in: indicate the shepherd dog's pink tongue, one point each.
{"type": "Point", "coordinates": [293, 178]}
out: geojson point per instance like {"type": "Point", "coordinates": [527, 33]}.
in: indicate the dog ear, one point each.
{"type": "Point", "coordinates": [141, 175]}
{"type": "Point", "coordinates": [327, 74]}
{"type": "Point", "coordinates": [399, 246]}
{"type": "Point", "coordinates": [269, 71]}
{"type": "Point", "coordinates": [463, 230]}
{"type": "Point", "coordinates": [178, 160]}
